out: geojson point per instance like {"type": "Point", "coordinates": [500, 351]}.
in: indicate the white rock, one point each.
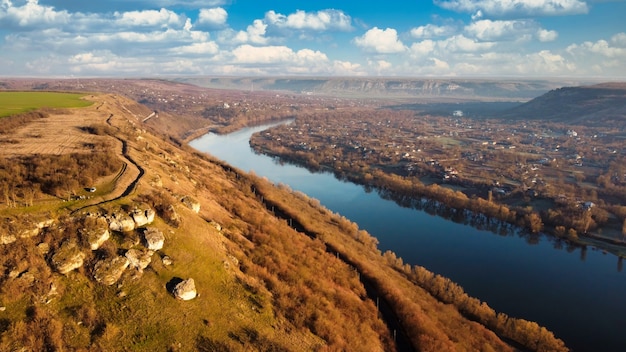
{"type": "Point", "coordinates": [68, 257]}
{"type": "Point", "coordinates": [139, 259]}
{"type": "Point", "coordinates": [185, 290]}
{"type": "Point", "coordinates": [108, 271]}
{"type": "Point", "coordinates": [153, 238]}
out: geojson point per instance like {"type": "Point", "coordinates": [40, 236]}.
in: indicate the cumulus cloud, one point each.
{"type": "Point", "coordinates": [248, 54]}
{"type": "Point", "coordinates": [380, 41]}
{"type": "Point", "coordinates": [205, 48]}
{"type": "Point", "coordinates": [545, 35]}
{"type": "Point", "coordinates": [488, 30]}
{"type": "Point", "coordinates": [613, 49]}
{"type": "Point", "coordinates": [516, 7]}
{"type": "Point", "coordinates": [254, 33]}
{"type": "Point", "coordinates": [29, 14]}
{"type": "Point", "coordinates": [215, 17]}
{"type": "Point", "coordinates": [463, 44]}
{"type": "Point", "coordinates": [323, 20]}
{"type": "Point", "coordinates": [149, 18]}
{"type": "Point", "coordinates": [432, 31]}
{"type": "Point", "coordinates": [422, 49]}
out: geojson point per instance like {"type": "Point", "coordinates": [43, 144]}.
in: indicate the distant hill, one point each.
{"type": "Point", "coordinates": [393, 88]}
{"type": "Point", "coordinates": [582, 105]}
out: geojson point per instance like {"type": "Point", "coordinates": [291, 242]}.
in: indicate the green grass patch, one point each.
{"type": "Point", "coordinates": [12, 103]}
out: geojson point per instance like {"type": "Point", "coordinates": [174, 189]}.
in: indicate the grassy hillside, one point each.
{"type": "Point", "coordinates": [587, 105]}
{"type": "Point", "coordinates": [274, 271]}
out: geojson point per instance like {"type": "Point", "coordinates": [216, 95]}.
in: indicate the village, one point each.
{"type": "Point", "coordinates": [548, 167]}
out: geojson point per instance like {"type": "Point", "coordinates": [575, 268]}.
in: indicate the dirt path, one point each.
{"type": "Point", "coordinates": [65, 133]}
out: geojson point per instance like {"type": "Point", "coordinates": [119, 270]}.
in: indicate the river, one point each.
{"type": "Point", "coordinates": [579, 294]}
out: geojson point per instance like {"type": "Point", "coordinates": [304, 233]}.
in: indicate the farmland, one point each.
{"type": "Point", "coordinates": [12, 103]}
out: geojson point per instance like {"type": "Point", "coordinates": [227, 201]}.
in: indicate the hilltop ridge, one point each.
{"type": "Point", "coordinates": [593, 104]}
{"type": "Point", "coordinates": [430, 89]}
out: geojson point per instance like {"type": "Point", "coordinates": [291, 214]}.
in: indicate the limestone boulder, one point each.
{"type": "Point", "coordinates": [170, 215]}
{"type": "Point", "coordinates": [153, 238]}
{"type": "Point", "coordinates": [121, 222]}
{"type": "Point", "coordinates": [68, 257]}
{"type": "Point", "coordinates": [191, 203]}
{"type": "Point", "coordinates": [95, 236]}
{"type": "Point", "coordinates": [185, 290]}
{"type": "Point", "coordinates": [138, 258]}
{"type": "Point", "coordinates": [143, 217]}
{"type": "Point", "coordinates": [108, 271]}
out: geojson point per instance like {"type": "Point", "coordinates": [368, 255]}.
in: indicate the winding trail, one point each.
{"type": "Point", "coordinates": [127, 179]}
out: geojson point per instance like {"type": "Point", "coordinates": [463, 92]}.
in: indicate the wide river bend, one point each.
{"type": "Point", "coordinates": [579, 294]}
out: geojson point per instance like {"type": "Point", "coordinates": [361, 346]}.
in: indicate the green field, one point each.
{"type": "Point", "coordinates": [12, 103]}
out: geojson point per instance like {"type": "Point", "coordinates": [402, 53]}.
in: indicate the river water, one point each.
{"type": "Point", "coordinates": [579, 294]}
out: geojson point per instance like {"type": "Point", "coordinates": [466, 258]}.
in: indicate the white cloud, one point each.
{"type": "Point", "coordinates": [346, 68]}
{"type": "Point", "coordinates": [255, 33]}
{"type": "Point", "coordinates": [488, 30]}
{"type": "Point", "coordinates": [545, 35]}
{"type": "Point", "coordinates": [214, 17]}
{"type": "Point", "coordinates": [248, 54]}
{"type": "Point", "coordinates": [205, 48]}
{"type": "Point", "coordinates": [602, 48]}
{"type": "Point", "coordinates": [432, 31]}
{"type": "Point", "coordinates": [149, 18]}
{"type": "Point", "coordinates": [380, 41]}
{"type": "Point", "coordinates": [516, 7]}
{"type": "Point", "coordinates": [423, 48]}
{"type": "Point", "coordinates": [29, 14]}
{"type": "Point", "coordinates": [323, 20]}
{"type": "Point", "coordinates": [460, 43]}
{"type": "Point", "coordinates": [619, 39]}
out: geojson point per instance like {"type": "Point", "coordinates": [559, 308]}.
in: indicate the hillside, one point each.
{"type": "Point", "coordinates": [432, 90]}
{"type": "Point", "coordinates": [104, 220]}
{"type": "Point", "coordinates": [586, 105]}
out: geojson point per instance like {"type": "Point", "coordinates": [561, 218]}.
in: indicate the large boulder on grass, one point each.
{"type": "Point", "coordinates": [96, 234]}
{"type": "Point", "coordinates": [185, 290]}
{"type": "Point", "coordinates": [68, 257]}
{"type": "Point", "coordinates": [108, 271]}
{"type": "Point", "coordinates": [139, 258]}
{"type": "Point", "coordinates": [153, 238]}
{"type": "Point", "coordinates": [121, 222]}
{"type": "Point", "coordinates": [191, 203]}
{"type": "Point", "coordinates": [142, 217]}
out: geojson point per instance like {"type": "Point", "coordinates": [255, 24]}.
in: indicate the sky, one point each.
{"type": "Point", "coordinates": [391, 38]}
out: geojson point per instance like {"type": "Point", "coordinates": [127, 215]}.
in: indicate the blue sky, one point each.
{"type": "Point", "coordinates": [415, 38]}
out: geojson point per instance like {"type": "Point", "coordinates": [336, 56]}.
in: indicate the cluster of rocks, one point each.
{"type": "Point", "coordinates": [13, 229]}
{"type": "Point", "coordinates": [96, 231]}
{"type": "Point", "coordinates": [125, 222]}
{"type": "Point", "coordinates": [69, 256]}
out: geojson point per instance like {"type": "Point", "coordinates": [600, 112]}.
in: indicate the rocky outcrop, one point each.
{"type": "Point", "coordinates": [191, 203]}
{"type": "Point", "coordinates": [68, 257]}
{"type": "Point", "coordinates": [121, 222]}
{"type": "Point", "coordinates": [139, 259]}
{"type": "Point", "coordinates": [170, 215]}
{"type": "Point", "coordinates": [153, 238]}
{"type": "Point", "coordinates": [185, 290]}
{"type": "Point", "coordinates": [108, 271]}
{"type": "Point", "coordinates": [96, 235]}
{"type": "Point", "coordinates": [142, 217]}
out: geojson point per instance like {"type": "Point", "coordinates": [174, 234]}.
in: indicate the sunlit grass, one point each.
{"type": "Point", "coordinates": [12, 103]}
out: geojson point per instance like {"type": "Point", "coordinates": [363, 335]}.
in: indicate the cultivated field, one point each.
{"type": "Point", "coordinates": [17, 102]}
